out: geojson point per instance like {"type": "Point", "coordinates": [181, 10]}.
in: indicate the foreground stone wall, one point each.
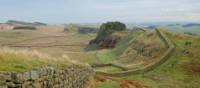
{"type": "Point", "coordinates": [48, 77]}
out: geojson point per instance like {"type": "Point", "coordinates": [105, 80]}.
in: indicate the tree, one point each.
{"type": "Point", "coordinates": [108, 28]}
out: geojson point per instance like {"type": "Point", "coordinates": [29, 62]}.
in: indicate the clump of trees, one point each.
{"type": "Point", "coordinates": [105, 39]}
{"type": "Point", "coordinates": [108, 28]}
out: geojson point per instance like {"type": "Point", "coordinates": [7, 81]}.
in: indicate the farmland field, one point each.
{"type": "Point", "coordinates": [49, 40]}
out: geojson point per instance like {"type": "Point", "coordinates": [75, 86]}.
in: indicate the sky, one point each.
{"type": "Point", "coordinates": [96, 11]}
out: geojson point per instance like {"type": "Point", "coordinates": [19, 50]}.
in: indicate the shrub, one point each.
{"type": "Point", "coordinates": [85, 30]}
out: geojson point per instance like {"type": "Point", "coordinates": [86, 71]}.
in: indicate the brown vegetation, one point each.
{"type": "Point", "coordinates": [108, 42]}
{"type": "Point", "coordinates": [192, 68]}
{"type": "Point", "coordinates": [131, 84]}
{"type": "Point", "coordinates": [122, 83]}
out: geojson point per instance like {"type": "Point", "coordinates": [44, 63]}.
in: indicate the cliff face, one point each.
{"type": "Point", "coordinates": [48, 77]}
{"type": "Point", "coordinates": [107, 42]}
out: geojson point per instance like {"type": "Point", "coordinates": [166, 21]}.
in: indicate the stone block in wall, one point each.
{"type": "Point", "coordinates": [26, 76]}
{"type": "Point", "coordinates": [2, 82]}
{"type": "Point", "coordinates": [17, 77]}
{"type": "Point", "coordinates": [11, 84]}
{"type": "Point", "coordinates": [36, 84]}
{"type": "Point", "coordinates": [34, 75]}
{"type": "Point", "coordinates": [3, 86]}
{"type": "Point", "coordinates": [5, 76]}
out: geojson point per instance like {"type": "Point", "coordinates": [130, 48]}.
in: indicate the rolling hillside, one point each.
{"type": "Point", "coordinates": [181, 70]}
{"type": "Point", "coordinates": [148, 59]}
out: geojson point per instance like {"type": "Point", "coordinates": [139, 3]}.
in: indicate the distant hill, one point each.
{"type": "Point", "coordinates": [191, 25]}
{"type": "Point", "coordinates": [151, 27]}
{"type": "Point", "coordinates": [22, 23]}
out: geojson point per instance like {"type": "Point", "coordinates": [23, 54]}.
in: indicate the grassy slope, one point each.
{"type": "Point", "coordinates": [23, 60]}
{"type": "Point", "coordinates": [124, 46]}
{"type": "Point", "coordinates": [110, 55]}
{"type": "Point", "coordinates": [180, 71]}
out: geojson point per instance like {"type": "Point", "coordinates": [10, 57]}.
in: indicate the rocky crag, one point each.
{"type": "Point", "coordinates": [107, 42]}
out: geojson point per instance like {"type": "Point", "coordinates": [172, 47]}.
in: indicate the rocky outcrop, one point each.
{"type": "Point", "coordinates": [48, 77]}
{"type": "Point", "coordinates": [107, 42]}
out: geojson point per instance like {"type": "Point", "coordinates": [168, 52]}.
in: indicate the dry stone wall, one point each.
{"type": "Point", "coordinates": [48, 77]}
{"type": "Point", "coordinates": [161, 59]}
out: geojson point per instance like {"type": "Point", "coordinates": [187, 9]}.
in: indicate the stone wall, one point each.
{"type": "Point", "coordinates": [48, 77]}
{"type": "Point", "coordinates": [161, 59]}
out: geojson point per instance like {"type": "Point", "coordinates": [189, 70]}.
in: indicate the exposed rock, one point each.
{"type": "Point", "coordinates": [107, 42]}
{"type": "Point", "coordinates": [3, 86]}
{"type": "Point", "coordinates": [34, 75]}
{"type": "Point", "coordinates": [26, 76]}
{"type": "Point", "coordinates": [5, 76]}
